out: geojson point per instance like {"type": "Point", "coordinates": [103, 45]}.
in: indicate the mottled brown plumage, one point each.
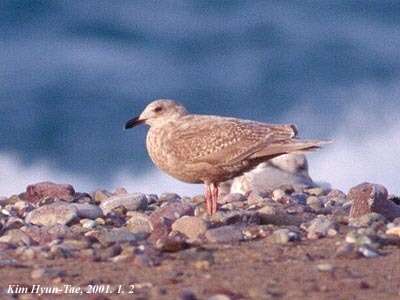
{"type": "Point", "coordinates": [212, 149]}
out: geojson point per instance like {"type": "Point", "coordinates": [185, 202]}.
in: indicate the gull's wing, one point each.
{"type": "Point", "coordinates": [223, 141]}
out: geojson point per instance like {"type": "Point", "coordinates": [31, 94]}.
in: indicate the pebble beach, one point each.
{"type": "Point", "coordinates": [313, 243]}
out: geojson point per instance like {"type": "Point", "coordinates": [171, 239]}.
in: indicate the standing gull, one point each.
{"type": "Point", "coordinates": [212, 149]}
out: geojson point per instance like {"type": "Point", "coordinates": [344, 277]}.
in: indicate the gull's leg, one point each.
{"type": "Point", "coordinates": [208, 196]}
{"type": "Point", "coordinates": [214, 197]}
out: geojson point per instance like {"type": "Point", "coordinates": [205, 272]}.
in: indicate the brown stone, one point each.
{"type": "Point", "coordinates": [36, 192]}
{"type": "Point", "coordinates": [162, 219]}
{"type": "Point", "coordinates": [192, 227]}
{"type": "Point", "coordinates": [368, 197]}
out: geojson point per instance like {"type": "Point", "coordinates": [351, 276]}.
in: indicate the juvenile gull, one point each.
{"type": "Point", "coordinates": [212, 149]}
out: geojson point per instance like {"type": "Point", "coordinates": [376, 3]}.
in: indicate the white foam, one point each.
{"type": "Point", "coordinates": [15, 176]}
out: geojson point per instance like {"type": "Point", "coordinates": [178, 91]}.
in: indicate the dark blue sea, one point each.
{"type": "Point", "coordinates": [72, 72]}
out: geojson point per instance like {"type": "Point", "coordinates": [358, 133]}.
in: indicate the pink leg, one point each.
{"type": "Point", "coordinates": [214, 197]}
{"type": "Point", "coordinates": [208, 196]}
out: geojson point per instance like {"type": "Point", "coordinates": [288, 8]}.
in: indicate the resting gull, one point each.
{"type": "Point", "coordinates": [212, 149]}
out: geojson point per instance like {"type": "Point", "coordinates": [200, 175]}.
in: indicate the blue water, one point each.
{"type": "Point", "coordinates": [72, 72]}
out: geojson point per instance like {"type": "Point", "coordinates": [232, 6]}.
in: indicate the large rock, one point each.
{"type": "Point", "coordinates": [288, 169]}
{"type": "Point", "coordinates": [36, 192]}
{"type": "Point", "coordinates": [368, 197]}
{"type": "Point", "coordinates": [192, 227]}
{"type": "Point", "coordinates": [52, 214]}
{"type": "Point", "coordinates": [131, 202]}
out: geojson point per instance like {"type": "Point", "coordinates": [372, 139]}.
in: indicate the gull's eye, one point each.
{"type": "Point", "coordinates": [158, 109]}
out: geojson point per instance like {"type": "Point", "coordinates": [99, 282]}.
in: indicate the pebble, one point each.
{"type": "Point", "coordinates": [394, 231]}
{"type": "Point", "coordinates": [192, 227]}
{"type": "Point", "coordinates": [315, 203]}
{"type": "Point", "coordinates": [169, 197]}
{"type": "Point", "coordinates": [256, 199]}
{"type": "Point", "coordinates": [254, 232]}
{"type": "Point", "coordinates": [278, 216]}
{"type": "Point", "coordinates": [59, 251]}
{"type": "Point", "coordinates": [43, 235]}
{"type": "Point", "coordinates": [3, 201]}
{"type": "Point", "coordinates": [233, 197]}
{"type": "Point", "coordinates": [234, 216]}
{"type": "Point", "coordinates": [52, 214]}
{"type": "Point", "coordinates": [336, 194]}
{"type": "Point", "coordinates": [108, 253]}
{"type": "Point", "coordinates": [100, 221]}
{"type": "Point", "coordinates": [47, 272]}
{"type": "Point", "coordinates": [139, 224]}
{"type": "Point", "coordinates": [13, 223]}
{"type": "Point", "coordinates": [347, 250]}
{"type": "Point", "coordinates": [23, 206]}
{"type": "Point", "coordinates": [320, 227]}
{"type": "Point", "coordinates": [224, 234]}
{"type": "Point", "coordinates": [36, 192]}
{"type": "Point", "coordinates": [10, 262]}
{"type": "Point", "coordinates": [101, 195]}
{"type": "Point", "coordinates": [172, 243]}
{"type": "Point", "coordinates": [130, 202]}
{"type": "Point", "coordinates": [88, 223]}
{"type": "Point", "coordinates": [219, 297]}
{"type": "Point", "coordinates": [26, 253]}
{"type": "Point", "coordinates": [5, 246]}
{"type": "Point", "coordinates": [367, 252]}
{"type": "Point", "coordinates": [284, 236]}
{"type": "Point", "coordinates": [16, 237]}
{"type": "Point", "coordinates": [114, 235]}
{"type": "Point", "coordinates": [120, 258]}
{"type": "Point", "coordinates": [369, 197]}
{"type": "Point", "coordinates": [172, 211]}
{"type": "Point", "coordinates": [316, 191]}
{"type": "Point", "coordinates": [187, 294]}
{"type": "Point", "coordinates": [143, 260]}
{"type": "Point", "coordinates": [278, 194]}
{"type": "Point", "coordinates": [367, 220]}
{"type": "Point", "coordinates": [325, 267]}
{"type": "Point", "coordinates": [299, 198]}
{"type": "Point", "coordinates": [361, 239]}
{"type": "Point", "coordinates": [75, 245]}
{"type": "Point", "coordinates": [88, 211]}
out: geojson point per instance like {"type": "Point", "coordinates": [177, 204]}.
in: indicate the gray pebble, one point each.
{"type": "Point", "coordinates": [88, 211]}
{"type": "Point", "coordinates": [224, 234]}
{"type": "Point", "coordinates": [136, 201]}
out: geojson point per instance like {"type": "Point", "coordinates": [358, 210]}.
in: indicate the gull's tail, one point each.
{"type": "Point", "coordinates": [289, 146]}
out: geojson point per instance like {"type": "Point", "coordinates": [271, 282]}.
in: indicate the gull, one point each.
{"type": "Point", "coordinates": [212, 149]}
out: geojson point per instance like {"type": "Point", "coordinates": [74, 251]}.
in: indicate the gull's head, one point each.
{"type": "Point", "coordinates": [158, 112]}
